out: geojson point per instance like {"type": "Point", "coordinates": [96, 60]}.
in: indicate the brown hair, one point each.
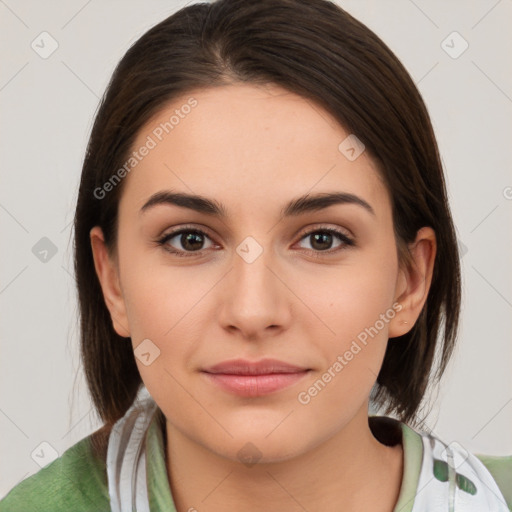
{"type": "Point", "coordinates": [312, 48]}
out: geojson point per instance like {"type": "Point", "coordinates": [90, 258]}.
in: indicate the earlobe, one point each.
{"type": "Point", "coordinates": [413, 283]}
{"type": "Point", "coordinates": [108, 276]}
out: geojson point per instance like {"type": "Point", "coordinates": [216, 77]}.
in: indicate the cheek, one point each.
{"type": "Point", "coordinates": [166, 305]}
{"type": "Point", "coordinates": [160, 297]}
{"type": "Point", "coordinates": [354, 305]}
{"type": "Point", "coordinates": [353, 355]}
{"type": "Point", "coordinates": [349, 298]}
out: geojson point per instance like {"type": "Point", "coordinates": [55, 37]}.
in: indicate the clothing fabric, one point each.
{"type": "Point", "coordinates": [126, 458]}
{"type": "Point", "coordinates": [436, 477]}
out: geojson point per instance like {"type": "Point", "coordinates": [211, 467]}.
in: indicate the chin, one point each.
{"type": "Point", "coordinates": [252, 450]}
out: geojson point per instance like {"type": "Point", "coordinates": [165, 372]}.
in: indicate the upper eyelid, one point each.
{"type": "Point", "coordinates": [313, 229]}
{"type": "Point", "coordinates": [179, 230]}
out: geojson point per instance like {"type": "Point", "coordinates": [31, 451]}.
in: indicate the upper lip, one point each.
{"type": "Point", "coordinates": [262, 367]}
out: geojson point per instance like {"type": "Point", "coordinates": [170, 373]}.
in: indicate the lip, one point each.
{"type": "Point", "coordinates": [247, 378]}
{"type": "Point", "coordinates": [261, 367]}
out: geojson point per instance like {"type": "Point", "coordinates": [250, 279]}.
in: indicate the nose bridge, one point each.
{"type": "Point", "coordinates": [251, 266]}
{"type": "Point", "coordinates": [254, 295]}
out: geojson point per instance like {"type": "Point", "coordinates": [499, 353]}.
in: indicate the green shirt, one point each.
{"type": "Point", "coordinates": [77, 481]}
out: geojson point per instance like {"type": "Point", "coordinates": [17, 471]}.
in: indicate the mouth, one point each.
{"type": "Point", "coordinates": [251, 379]}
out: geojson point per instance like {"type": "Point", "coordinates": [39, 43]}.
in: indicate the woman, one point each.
{"type": "Point", "coordinates": [263, 249]}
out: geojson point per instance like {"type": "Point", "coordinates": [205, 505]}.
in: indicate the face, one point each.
{"type": "Point", "coordinates": [314, 288]}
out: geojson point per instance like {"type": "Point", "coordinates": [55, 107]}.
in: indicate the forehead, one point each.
{"type": "Point", "coordinates": [247, 144]}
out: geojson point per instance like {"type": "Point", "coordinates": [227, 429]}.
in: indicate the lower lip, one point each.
{"type": "Point", "coordinates": [255, 385]}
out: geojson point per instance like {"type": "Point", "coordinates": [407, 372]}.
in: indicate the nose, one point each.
{"type": "Point", "coordinates": [255, 298]}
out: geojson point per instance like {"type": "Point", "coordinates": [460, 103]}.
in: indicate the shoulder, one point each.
{"type": "Point", "coordinates": [77, 481]}
{"type": "Point", "coordinates": [500, 468]}
{"type": "Point", "coordinates": [476, 474]}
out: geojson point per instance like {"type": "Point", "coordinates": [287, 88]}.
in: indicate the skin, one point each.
{"type": "Point", "coordinates": [254, 148]}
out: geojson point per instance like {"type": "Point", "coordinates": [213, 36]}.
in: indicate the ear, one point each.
{"type": "Point", "coordinates": [108, 275]}
{"type": "Point", "coordinates": [413, 284]}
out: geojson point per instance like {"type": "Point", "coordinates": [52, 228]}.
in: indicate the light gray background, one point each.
{"type": "Point", "coordinates": [47, 109]}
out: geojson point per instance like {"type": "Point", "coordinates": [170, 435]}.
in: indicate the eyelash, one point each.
{"type": "Point", "coordinates": [347, 242]}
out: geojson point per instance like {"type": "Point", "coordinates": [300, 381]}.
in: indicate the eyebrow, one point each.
{"type": "Point", "coordinates": [296, 207]}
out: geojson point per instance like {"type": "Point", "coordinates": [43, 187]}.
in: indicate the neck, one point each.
{"type": "Point", "coordinates": [349, 471]}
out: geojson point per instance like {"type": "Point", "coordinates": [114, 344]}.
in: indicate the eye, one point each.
{"type": "Point", "coordinates": [321, 240]}
{"type": "Point", "coordinates": [190, 239]}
